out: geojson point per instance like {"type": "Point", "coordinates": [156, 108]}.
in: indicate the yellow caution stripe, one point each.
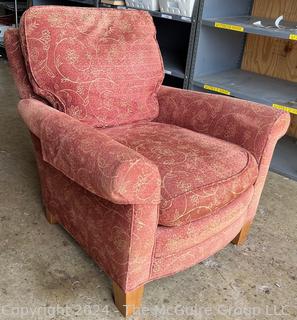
{"type": "Point", "coordinates": [293, 37]}
{"type": "Point", "coordinates": [216, 89]}
{"type": "Point", "coordinates": [288, 109]}
{"type": "Point", "coordinates": [229, 27]}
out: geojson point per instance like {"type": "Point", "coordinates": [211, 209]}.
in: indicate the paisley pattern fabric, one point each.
{"type": "Point", "coordinates": [166, 266]}
{"type": "Point", "coordinates": [108, 187]}
{"type": "Point", "coordinates": [174, 241]}
{"type": "Point", "coordinates": [125, 240]}
{"type": "Point", "coordinates": [119, 238]}
{"type": "Point", "coordinates": [101, 66]}
{"type": "Point", "coordinates": [241, 122]}
{"type": "Point", "coordinates": [17, 64]}
{"type": "Point", "coordinates": [199, 173]}
{"type": "Point", "coordinates": [279, 129]}
{"type": "Point", "coordinates": [92, 159]}
{"type": "Point", "coordinates": [254, 127]}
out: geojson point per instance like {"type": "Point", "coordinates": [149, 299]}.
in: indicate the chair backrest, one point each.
{"type": "Point", "coordinates": [101, 66]}
{"type": "Point", "coordinates": [17, 63]}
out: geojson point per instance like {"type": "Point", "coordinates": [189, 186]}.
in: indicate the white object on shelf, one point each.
{"type": "Point", "coordinates": [278, 21]}
{"type": "Point", "coordinates": [258, 24]}
{"type": "Point", "coordinates": [179, 7]}
{"type": "Point", "coordinates": [143, 4]}
{"type": "Point", "coordinates": [3, 28]}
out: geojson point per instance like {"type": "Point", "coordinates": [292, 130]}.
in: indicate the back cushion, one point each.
{"type": "Point", "coordinates": [101, 66]}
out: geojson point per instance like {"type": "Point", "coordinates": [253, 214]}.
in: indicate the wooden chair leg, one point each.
{"type": "Point", "coordinates": [50, 218]}
{"type": "Point", "coordinates": [242, 235]}
{"type": "Point", "coordinates": [127, 302]}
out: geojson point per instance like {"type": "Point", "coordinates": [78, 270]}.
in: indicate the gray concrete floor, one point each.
{"type": "Point", "coordinates": [45, 275]}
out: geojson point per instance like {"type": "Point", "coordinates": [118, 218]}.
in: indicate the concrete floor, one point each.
{"type": "Point", "coordinates": [45, 275]}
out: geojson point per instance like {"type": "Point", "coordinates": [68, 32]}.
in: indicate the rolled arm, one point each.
{"type": "Point", "coordinates": [244, 123]}
{"type": "Point", "coordinates": [90, 158]}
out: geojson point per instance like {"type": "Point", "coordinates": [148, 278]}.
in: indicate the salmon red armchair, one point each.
{"type": "Point", "coordinates": [148, 179]}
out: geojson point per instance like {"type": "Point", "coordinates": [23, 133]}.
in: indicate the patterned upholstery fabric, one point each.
{"type": "Point", "coordinates": [119, 238]}
{"type": "Point", "coordinates": [252, 126]}
{"type": "Point", "coordinates": [17, 64]}
{"type": "Point", "coordinates": [127, 253]}
{"type": "Point", "coordinates": [241, 122]}
{"type": "Point", "coordinates": [166, 266]}
{"type": "Point", "coordinates": [103, 185]}
{"type": "Point", "coordinates": [101, 66]}
{"type": "Point", "coordinates": [174, 241]}
{"type": "Point", "coordinates": [199, 173]}
{"type": "Point", "coordinates": [92, 159]}
{"type": "Point", "coordinates": [279, 128]}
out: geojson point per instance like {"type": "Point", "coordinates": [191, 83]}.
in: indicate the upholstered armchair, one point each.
{"type": "Point", "coordinates": [148, 179]}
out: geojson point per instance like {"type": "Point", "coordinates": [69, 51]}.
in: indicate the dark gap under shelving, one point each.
{"type": "Point", "coordinates": [173, 38]}
{"type": "Point", "coordinates": [284, 160]}
{"type": "Point", "coordinates": [173, 81]}
{"type": "Point", "coordinates": [82, 3]}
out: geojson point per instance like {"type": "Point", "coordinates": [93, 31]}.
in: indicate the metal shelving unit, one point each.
{"type": "Point", "coordinates": [285, 156]}
{"type": "Point", "coordinates": [15, 9]}
{"type": "Point", "coordinates": [157, 14]}
{"type": "Point", "coordinates": [246, 24]}
{"type": "Point", "coordinates": [13, 5]}
{"type": "Point", "coordinates": [217, 56]}
{"type": "Point", "coordinates": [82, 3]}
{"type": "Point", "coordinates": [252, 86]}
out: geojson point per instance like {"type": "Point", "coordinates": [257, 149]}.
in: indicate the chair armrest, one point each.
{"type": "Point", "coordinates": [244, 123]}
{"type": "Point", "coordinates": [90, 158]}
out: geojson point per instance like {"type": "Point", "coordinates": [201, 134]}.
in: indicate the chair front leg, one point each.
{"type": "Point", "coordinates": [127, 302]}
{"type": "Point", "coordinates": [50, 217]}
{"type": "Point", "coordinates": [241, 238]}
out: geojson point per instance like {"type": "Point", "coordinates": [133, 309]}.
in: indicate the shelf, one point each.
{"type": "Point", "coordinates": [22, 6]}
{"type": "Point", "coordinates": [169, 16]}
{"type": "Point", "coordinates": [288, 30]}
{"type": "Point", "coordinates": [172, 64]}
{"type": "Point", "coordinates": [157, 14]}
{"type": "Point", "coordinates": [252, 86]}
{"type": "Point", "coordinates": [86, 2]}
{"type": "Point", "coordinates": [284, 159]}
{"type": "Point", "coordinates": [106, 5]}
{"type": "Point", "coordinates": [223, 41]}
{"type": "Point", "coordinates": [83, 3]}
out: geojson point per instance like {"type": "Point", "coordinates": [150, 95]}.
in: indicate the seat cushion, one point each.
{"type": "Point", "coordinates": [101, 66]}
{"type": "Point", "coordinates": [173, 241]}
{"type": "Point", "coordinates": [200, 174]}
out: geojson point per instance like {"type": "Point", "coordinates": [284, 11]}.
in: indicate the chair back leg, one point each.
{"type": "Point", "coordinates": [241, 238]}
